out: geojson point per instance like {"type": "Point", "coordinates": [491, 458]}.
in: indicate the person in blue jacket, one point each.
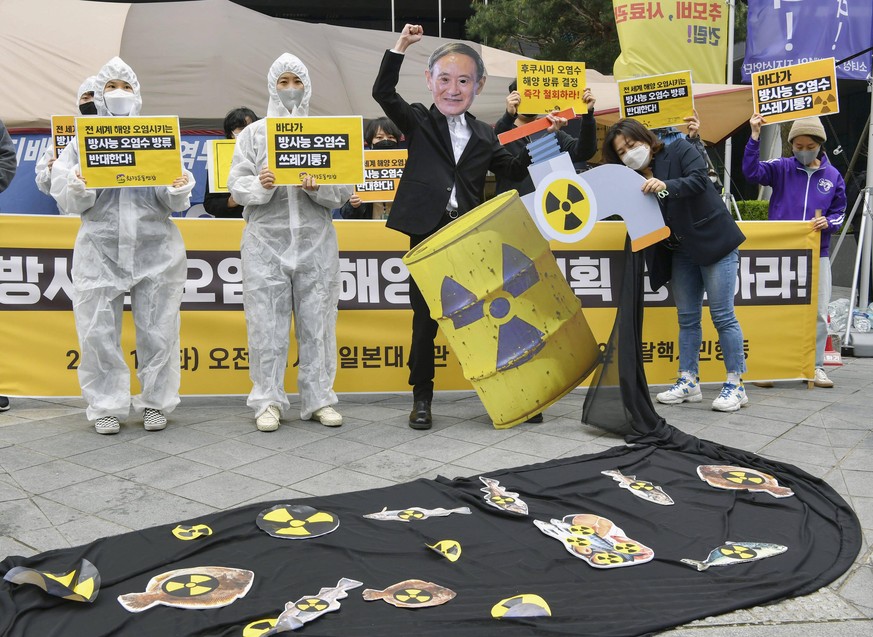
{"type": "Point", "coordinates": [806, 187]}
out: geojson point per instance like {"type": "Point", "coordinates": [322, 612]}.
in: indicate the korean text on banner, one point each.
{"type": "Point", "coordinates": [219, 155]}
{"type": "Point", "coordinates": [654, 35]}
{"type": "Point", "coordinates": [786, 32]}
{"type": "Point", "coordinates": [382, 172]}
{"type": "Point", "coordinates": [63, 132]}
{"type": "Point", "coordinates": [658, 100]}
{"type": "Point", "coordinates": [797, 91]}
{"type": "Point", "coordinates": [546, 86]}
{"type": "Point", "coordinates": [129, 152]}
{"type": "Point", "coordinates": [331, 149]}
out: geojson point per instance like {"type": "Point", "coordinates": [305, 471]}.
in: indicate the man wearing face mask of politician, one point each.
{"type": "Point", "coordinates": [380, 134]}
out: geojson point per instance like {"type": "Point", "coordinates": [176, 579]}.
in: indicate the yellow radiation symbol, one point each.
{"type": "Point", "coordinates": [566, 206]}
{"type": "Point", "coordinates": [581, 529]}
{"type": "Point", "coordinates": [450, 549]}
{"type": "Point", "coordinates": [259, 627]}
{"type": "Point", "coordinates": [312, 605]}
{"type": "Point", "coordinates": [297, 522]}
{"type": "Point", "coordinates": [502, 500]}
{"type": "Point", "coordinates": [575, 540]}
{"type": "Point", "coordinates": [521, 606]}
{"type": "Point", "coordinates": [184, 532]}
{"type": "Point", "coordinates": [413, 596]}
{"type": "Point", "coordinates": [641, 486]}
{"type": "Point", "coordinates": [742, 477]}
{"type": "Point", "coordinates": [628, 548]}
{"type": "Point", "coordinates": [409, 514]}
{"type": "Point", "coordinates": [190, 585]}
{"type": "Point", "coordinates": [606, 559]}
{"type": "Point", "coordinates": [737, 552]}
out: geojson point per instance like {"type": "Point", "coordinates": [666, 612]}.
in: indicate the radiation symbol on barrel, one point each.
{"type": "Point", "coordinates": [742, 477]}
{"type": "Point", "coordinates": [565, 207]}
{"type": "Point", "coordinates": [738, 552]}
{"type": "Point", "coordinates": [192, 585]}
{"type": "Point", "coordinates": [526, 605]}
{"type": "Point", "coordinates": [296, 522]}
{"type": "Point", "coordinates": [258, 627]}
{"type": "Point", "coordinates": [517, 340]}
{"type": "Point", "coordinates": [186, 532]}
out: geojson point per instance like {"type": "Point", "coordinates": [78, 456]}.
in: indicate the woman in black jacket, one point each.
{"type": "Point", "coordinates": [700, 255]}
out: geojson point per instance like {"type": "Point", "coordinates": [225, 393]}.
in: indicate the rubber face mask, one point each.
{"type": "Point", "coordinates": [291, 98]}
{"type": "Point", "coordinates": [88, 108]}
{"type": "Point", "coordinates": [806, 157]}
{"type": "Point", "coordinates": [119, 102]}
{"type": "Point", "coordinates": [385, 144]}
{"type": "Point", "coordinates": [637, 157]}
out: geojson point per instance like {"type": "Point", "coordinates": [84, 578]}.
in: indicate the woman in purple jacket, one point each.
{"type": "Point", "coordinates": [802, 185]}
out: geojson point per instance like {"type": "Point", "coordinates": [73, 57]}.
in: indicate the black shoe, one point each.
{"type": "Point", "coordinates": [4, 404]}
{"type": "Point", "coordinates": [419, 417]}
{"type": "Point", "coordinates": [535, 419]}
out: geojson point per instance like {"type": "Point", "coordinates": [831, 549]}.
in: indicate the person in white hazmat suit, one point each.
{"type": "Point", "coordinates": [84, 105]}
{"type": "Point", "coordinates": [126, 243]}
{"type": "Point", "coordinates": [290, 262]}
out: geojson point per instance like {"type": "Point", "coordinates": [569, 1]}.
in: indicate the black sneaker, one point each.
{"type": "Point", "coordinates": [4, 403]}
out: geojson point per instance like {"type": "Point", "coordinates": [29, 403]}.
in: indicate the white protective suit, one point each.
{"type": "Point", "coordinates": [43, 172]}
{"type": "Point", "coordinates": [126, 242]}
{"type": "Point", "coordinates": [290, 261]}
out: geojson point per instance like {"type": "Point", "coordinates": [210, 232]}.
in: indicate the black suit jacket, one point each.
{"type": "Point", "coordinates": [423, 194]}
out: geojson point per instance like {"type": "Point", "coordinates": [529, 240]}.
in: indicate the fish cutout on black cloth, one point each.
{"type": "Point", "coordinates": [498, 497]}
{"type": "Point", "coordinates": [741, 478]}
{"type": "Point", "coordinates": [526, 605]}
{"type": "Point", "coordinates": [736, 553]}
{"type": "Point", "coordinates": [195, 588]}
{"type": "Point", "coordinates": [311, 607]}
{"type": "Point", "coordinates": [411, 593]}
{"type": "Point", "coordinates": [414, 513]}
{"type": "Point", "coordinates": [81, 584]}
{"type": "Point", "coordinates": [640, 488]}
{"type": "Point", "coordinates": [596, 540]}
{"type": "Point", "coordinates": [297, 522]}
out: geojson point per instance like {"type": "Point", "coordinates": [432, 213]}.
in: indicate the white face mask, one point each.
{"type": "Point", "coordinates": [637, 157]}
{"type": "Point", "coordinates": [119, 102]}
{"type": "Point", "coordinates": [291, 98]}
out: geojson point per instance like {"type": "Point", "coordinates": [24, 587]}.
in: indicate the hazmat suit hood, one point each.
{"type": "Point", "coordinates": [288, 63]}
{"type": "Point", "coordinates": [116, 69]}
{"type": "Point", "coordinates": [88, 86]}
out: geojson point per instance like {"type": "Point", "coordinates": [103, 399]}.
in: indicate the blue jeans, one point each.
{"type": "Point", "coordinates": [719, 281]}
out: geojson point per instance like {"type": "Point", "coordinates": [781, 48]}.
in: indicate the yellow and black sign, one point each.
{"type": "Point", "coordinates": [545, 86]}
{"type": "Point", "coordinates": [219, 155]}
{"type": "Point", "coordinates": [186, 532]}
{"type": "Point", "coordinates": [129, 152]}
{"type": "Point", "coordinates": [526, 605]}
{"type": "Point", "coordinates": [296, 522]}
{"type": "Point", "coordinates": [449, 549]}
{"type": "Point", "coordinates": [331, 149]}
{"type": "Point", "coordinates": [796, 91]}
{"type": "Point", "coordinates": [382, 172]}
{"type": "Point", "coordinates": [63, 132]}
{"type": "Point", "coordinates": [657, 101]}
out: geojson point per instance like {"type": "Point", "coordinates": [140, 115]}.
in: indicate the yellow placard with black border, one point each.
{"type": "Point", "coordinates": [63, 132]}
{"type": "Point", "coordinates": [219, 156]}
{"type": "Point", "coordinates": [129, 152]}
{"type": "Point", "coordinates": [331, 149]}
{"type": "Point", "coordinates": [382, 172]}
{"type": "Point", "coordinates": [796, 91]}
{"type": "Point", "coordinates": [657, 101]}
{"type": "Point", "coordinates": [546, 86]}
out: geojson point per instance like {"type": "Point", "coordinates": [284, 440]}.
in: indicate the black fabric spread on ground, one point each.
{"type": "Point", "coordinates": [503, 554]}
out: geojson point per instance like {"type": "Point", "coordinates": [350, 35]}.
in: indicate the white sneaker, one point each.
{"type": "Point", "coordinates": [685, 389]}
{"type": "Point", "coordinates": [153, 419]}
{"type": "Point", "coordinates": [731, 398]}
{"type": "Point", "coordinates": [327, 416]}
{"type": "Point", "coordinates": [107, 425]}
{"type": "Point", "coordinates": [821, 379]}
{"type": "Point", "coordinates": [269, 420]}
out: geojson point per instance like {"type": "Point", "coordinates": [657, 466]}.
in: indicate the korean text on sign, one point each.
{"type": "Point", "coordinates": [382, 172]}
{"type": "Point", "coordinates": [63, 132]}
{"type": "Point", "coordinates": [119, 152]}
{"type": "Point", "coordinates": [331, 149]}
{"type": "Point", "coordinates": [658, 100]}
{"type": "Point", "coordinates": [545, 86]}
{"type": "Point", "coordinates": [796, 91]}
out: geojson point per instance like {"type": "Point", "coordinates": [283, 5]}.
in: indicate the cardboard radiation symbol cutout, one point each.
{"type": "Point", "coordinates": [297, 522]}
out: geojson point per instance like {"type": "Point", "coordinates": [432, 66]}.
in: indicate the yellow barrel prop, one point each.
{"type": "Point", "coordinates": [508, 313]}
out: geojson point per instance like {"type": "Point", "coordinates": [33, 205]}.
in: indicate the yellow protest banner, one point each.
{"type": "Point", "coordinates": [655, 34]}
{"type": "Point", "coordinates": [331, 149]}
{"type": "Point", "coordinates": [796, 91]}
{"type": "Point", "coordinates": [382, 172]}
{"type": "Point", "coordinates": [219, 156]}
{"type": "Point", "coordinates": [545, 86]}
{"type": "Point", "coordinates": [657, 101]}
{"type": "Point", "coordinates": [63, 132]}
{"type": "Point", "coordinates": [129, 152]}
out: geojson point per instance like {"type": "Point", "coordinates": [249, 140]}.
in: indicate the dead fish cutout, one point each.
{"type": "Point", "coordinates": [737, 553]}
{"type": "Point", "coordinates": [500, 498]}
{"type": "Point", "coordinates": [297, 522]}
{"type": "Point", "coordinates": [739, 478]}
{"type": "Point", "coordinates": [78, 585]}
{"type": "Point", "coordinates": [412, 593]}
{"type": "Point", "coordinates": [449, 549]}
{"type": "Point", "coordinates": [195, 588]}
{"type": "Point", "coordinates": [596, 540]}
{"type": "Point", "coordinates": [186, 533]}
{"type": "Point", "coordinates": [415, 513]}
{"type": "Point", "coordinates": [640, 488]}
{"type": "Point", "coordinates": [526, 605]}
{"type": "Point", "coordinates": [312, 607]}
